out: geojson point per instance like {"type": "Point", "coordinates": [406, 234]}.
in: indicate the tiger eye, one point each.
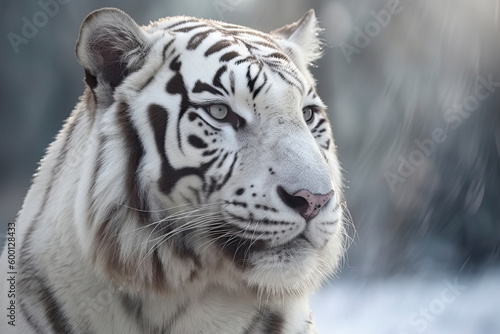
{"type": "Point", "coordinates": [308, 114]}
{"type": "Point", "coordinates": [218, 111]}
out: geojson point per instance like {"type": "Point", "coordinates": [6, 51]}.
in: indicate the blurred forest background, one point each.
{"type": "Point", "coordinates": [413, 89]}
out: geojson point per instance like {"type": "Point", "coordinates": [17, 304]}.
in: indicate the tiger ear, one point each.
{"type": "Point", "coordinates": [300, 39]}
{"type": "Point", "coordinates": [110, 46]}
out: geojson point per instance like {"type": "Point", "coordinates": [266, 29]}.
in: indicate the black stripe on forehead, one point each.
{"type": "Point", "coordinates": [229, 56]}
{"type": "Point", "coordinates": [252, 80]}
{"type": "Point", "coordinates": [277, 65]}
{"type": "Point", "coordinates": [200, 87]}
{"type": "Point", "coordinates": [286, 78]}
{"type": "Point", "coordinates": [176, 24]}
{"type": "Point", "coordinates": [278, 55]}
{"type": "Point", "coordinates": [240, 31]}
{"type": "Point", "coordinates": [219, 45]}
{"type": "Point", "coordinates": [266, 43]}
{"type": "Point", "coordinates": [190, 28]}
{"type": "Point", "coordinates": [198, 38]}
{"type": "Point", "coordinates": [249, 59]}
{"type": "Point", "coordinates": [217, 82]}
{"type": "Point", "coordinates": [258, 89]}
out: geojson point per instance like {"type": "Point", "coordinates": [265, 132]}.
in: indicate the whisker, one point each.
{"type": "Point", "coordinates": [175, 216]}
{"type": "Point", "coordinates": [186, 226]}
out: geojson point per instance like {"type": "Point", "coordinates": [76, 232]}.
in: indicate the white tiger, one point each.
{"type": "Point", "coordinates": [195, 188]}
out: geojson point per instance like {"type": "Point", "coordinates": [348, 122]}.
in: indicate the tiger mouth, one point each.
{"type": "Point", "coordinates": [241, 249]}
{"type": "Point", "coordinates": [297, 243]}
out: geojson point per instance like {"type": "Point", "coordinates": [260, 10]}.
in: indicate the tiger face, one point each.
{"type": "Point", "coordinates": [231, 157]}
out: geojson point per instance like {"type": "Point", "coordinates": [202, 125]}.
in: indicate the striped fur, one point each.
{"type": "Point", "coordinates": [194, 189]}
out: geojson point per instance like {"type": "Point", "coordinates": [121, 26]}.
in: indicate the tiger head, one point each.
{"type": "Point", "coordinates": [217, 150]}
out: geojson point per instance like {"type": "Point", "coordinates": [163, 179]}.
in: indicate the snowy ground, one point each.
{"type": "Point", "coordinates": [446, 305]}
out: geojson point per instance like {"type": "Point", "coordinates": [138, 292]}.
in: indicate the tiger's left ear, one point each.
{"type": "Point", "coordinates": [300, 41]}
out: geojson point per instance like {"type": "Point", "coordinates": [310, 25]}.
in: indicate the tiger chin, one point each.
{"type": "Point", "coordinates": [195, 188]}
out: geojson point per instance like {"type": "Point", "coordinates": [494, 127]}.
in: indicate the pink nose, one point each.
{"type": "Point", "coordinates": [304, 202]}
{"type": "Point", "coordinates": [314, 202]}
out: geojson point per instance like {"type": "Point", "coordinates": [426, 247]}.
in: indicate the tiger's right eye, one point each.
{"type": "Point", "coordinates": [218, 111]}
